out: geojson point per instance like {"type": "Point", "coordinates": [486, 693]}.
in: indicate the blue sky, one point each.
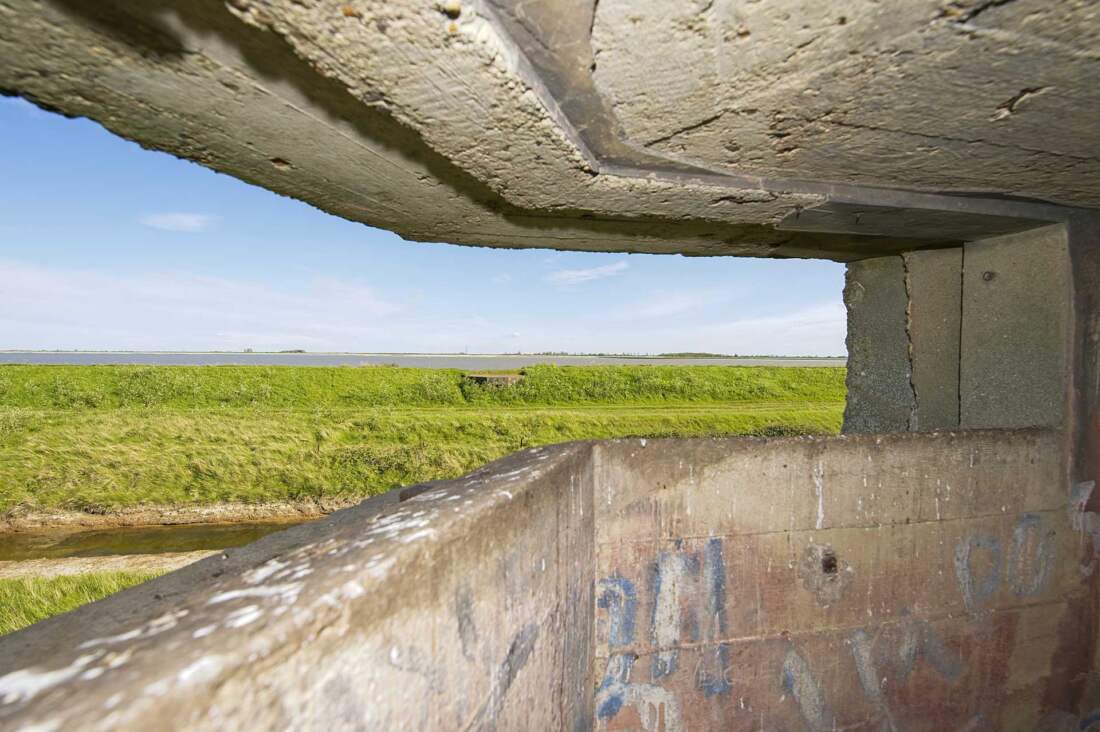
{"type": "Point", "coordinates": [104, 245]}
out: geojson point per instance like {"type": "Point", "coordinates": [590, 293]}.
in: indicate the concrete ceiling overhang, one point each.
{"type": "Point", "coordinates": [788, 128]}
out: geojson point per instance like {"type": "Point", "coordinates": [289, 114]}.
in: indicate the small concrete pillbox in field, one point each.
{"type": "Point", "coordinates": [495, 379]}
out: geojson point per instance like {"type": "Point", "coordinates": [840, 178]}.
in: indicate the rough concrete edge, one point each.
{"type": "Point", "coordinates": [872, 371]}
{"type": "Point", "coordinates": [934, 321]}
{"type": "Point", "coordinates": [817, 190]}
{"type": "Point", "coordinates": [849, 377]}
{"type": "Point", "coordinates": [82, 672]}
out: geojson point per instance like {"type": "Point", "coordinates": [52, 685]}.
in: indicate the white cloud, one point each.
{"type": "Point", "coordinates": [46, 307]}
{"type": "Point", "coordinates": [817, 330]}
{"type": "Point", "coordinates": [577, 276]}
{"type": "Point", "coordinates": [50, 308]}
{"type": "Point", "coordinates": [358, 299]}
{"type": "Point", "coordinates": [502, 278]}
{"type": "Point", "coordinates": [191, 223]}
{"type": "Point", "coordinates": [666, 304]}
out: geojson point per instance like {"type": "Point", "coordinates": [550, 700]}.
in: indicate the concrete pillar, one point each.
{"type": "Point", "coordinates": [933, 283]}
{"type": "Point", "coordinates": [977, 336]}
{"type": "Point", "coordinates": [880, 394]}
{"type": "Point", "coordinates": [1016, 330]}
{"type": "Point", "coordinates": [1083, 426]}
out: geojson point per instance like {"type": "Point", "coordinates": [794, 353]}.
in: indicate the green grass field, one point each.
{"type": "Point", "coordinates": [26, 601]}
{"type": "Point", "coordinates": [98, 438]}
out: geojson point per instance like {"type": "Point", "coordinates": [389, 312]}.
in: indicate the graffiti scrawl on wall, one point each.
{"type": "Point", "coordinates": [675, 659]}
{"type": "Point", "coordinates": [1029, 563]}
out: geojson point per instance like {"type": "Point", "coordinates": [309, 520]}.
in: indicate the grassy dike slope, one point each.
{"type": "Point", "coordinates": [103, 438]}
{"type": "Point", "coordinates": [26, 601]}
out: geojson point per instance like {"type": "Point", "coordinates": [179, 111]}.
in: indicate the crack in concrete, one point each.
{"type": "Point", "coordinates": [946, 138]}
{"type": "Point", "coordinates": [959, 14]}
{"type": "Point", "coordinates": [912, 422]}
{"type": "Point", "coordinates": [1008, 107]}
{"type": "Point", "coordinates": [688, 128]}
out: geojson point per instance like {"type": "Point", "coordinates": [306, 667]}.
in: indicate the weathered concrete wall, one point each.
{"type": "Point", "coordinates": [903, 582]}
{"type": "Point", "coordinates": [576, 125]}
{"type": "Point", "coordinates": [933, 283]}
{"type": "Point", "coordinates": [1016, 330]}
{"type": "Point", "coordinates": [1083, 427]}
{"type": "Point", "coordinates": [971, 337]}
{"type": "Point", "coordinates": [467, 606]}
{"type": "Point", "coordinates": [659, 585]}
{"type": "Point", "coordinates": [967, 94]}
{"type": "Point", "coordinates": [880, 390]}
{"type": "Point", "coordinates": [904, 321]}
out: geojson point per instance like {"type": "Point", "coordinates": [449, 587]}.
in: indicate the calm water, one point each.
{"type": "Point", "coordinates": [440, 361]}
{"type": "Point", "coordinates": [141, 540]}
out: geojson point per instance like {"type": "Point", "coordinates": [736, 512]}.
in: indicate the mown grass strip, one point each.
{"type": "Point", "coordinates": [307, 387]}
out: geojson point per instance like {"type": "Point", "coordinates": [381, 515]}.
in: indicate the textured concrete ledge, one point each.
{"type": "Point", "coordinates": [313, 624]}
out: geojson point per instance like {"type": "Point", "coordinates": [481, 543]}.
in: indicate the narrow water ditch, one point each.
{"type": "Point", "coordinates": [133, 540]}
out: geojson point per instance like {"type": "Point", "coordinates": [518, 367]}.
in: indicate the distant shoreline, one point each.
{"type": "Point", "coordinates": [425, 354]}
{"type": "Point", "coordinates": [460, 361]}
{"type": "Point", "coordinates": [427, 361]}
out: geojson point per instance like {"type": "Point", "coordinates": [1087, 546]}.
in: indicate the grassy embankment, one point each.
{"type": "Point", "coordinates": [101, 438]}
{"type": "Point", "coordinates": [26, 601]}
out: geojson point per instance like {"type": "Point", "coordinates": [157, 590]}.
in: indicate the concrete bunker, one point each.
{"type": "Point", "coordinates": [656, 585]}
{"type": "Point", "coordinates": [934, 568]}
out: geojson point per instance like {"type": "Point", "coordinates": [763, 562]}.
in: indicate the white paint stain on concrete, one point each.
{"type": "Point", "coordinates": [243, 616]}
{"type": "Point", "coordinates": [818, 474]}
{"type": "Point", "coordinates": [658, 708]}
{"type": "Point", "coordinates": [27, 683]}
{"type": "Point", "coordinates": [666, 615]}
{"type": "Point", "coordinates": [286, 592]}
{"type": "Point", "coordinates": [379, 567]}
{"type": "Point", "coordinates": [417, 535]}
{"type": "Point", "coordinates": [51, 725]}
{"type": "Point", "coordinates": [157, 688]}
{"type": "Point", "coordinates": [206, 668]}
{"type": "Point", "coordinates": [261, 573]}
{"type": "Point", "coordinates": [153, 627]}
